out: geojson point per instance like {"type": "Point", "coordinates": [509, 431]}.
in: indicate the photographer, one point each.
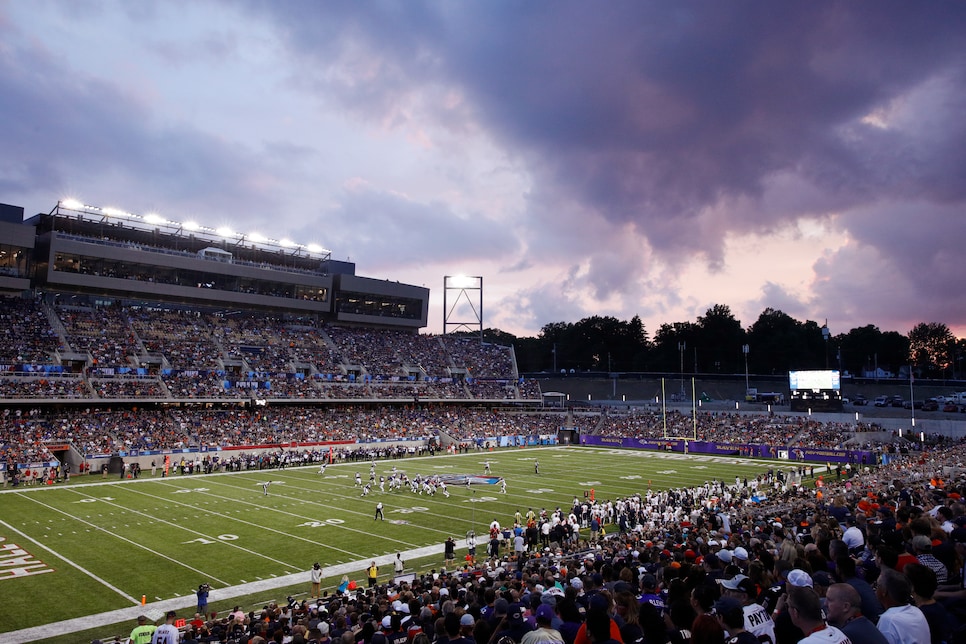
{"type": "Point", "coordinates": [203, 600]}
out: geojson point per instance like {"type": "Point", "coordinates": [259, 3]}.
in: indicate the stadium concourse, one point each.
{"type": "Point", "coordinates": [674, 565]}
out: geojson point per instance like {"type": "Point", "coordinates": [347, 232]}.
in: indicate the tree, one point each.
{"type": "Point", "coordinates": [860, 349]}
{"type": "Point", "coordinates": [718, 338]}
{"type": "Point", "coordinates": [931, 346]}
{"type": "Point", "coordinates": [667, 340]}
{"type": "Point", "coordinates": [779, 343]}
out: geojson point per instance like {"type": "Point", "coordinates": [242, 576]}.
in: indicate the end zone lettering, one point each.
{"type": "Point", "coordinates": [17, 562]}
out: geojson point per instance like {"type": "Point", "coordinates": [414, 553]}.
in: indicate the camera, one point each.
{"type": "Point", "coordinates": [205, 587]}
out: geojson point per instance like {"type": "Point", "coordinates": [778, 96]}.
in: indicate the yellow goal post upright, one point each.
{"type": "Point", "coordinates": [694, 413]}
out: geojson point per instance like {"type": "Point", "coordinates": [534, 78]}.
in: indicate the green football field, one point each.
{"type": "Point", "coordinates": [99, 545]}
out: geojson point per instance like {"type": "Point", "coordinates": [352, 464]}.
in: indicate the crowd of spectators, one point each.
{"type": "Point", "coordinates": [725, 427]}
{"type": "Point", "coordinates": [196, 353]}
{"type": "Point", "coordinates": [51, 386]}
{"type": "Point", "coordinates": [26, 336]}
{"type": "Point", "coordinates": [99, 430]}
{"type": "Point", "coordinates": [128, 388]}
{"type": "Point", "coordinates": [875, 557]}
{"type": "Point", "coordinates": [480, 360]}
{"type": "Point", "coordinates": [104, 333]}
{"type": "Point", "coordinates": [96, 431]}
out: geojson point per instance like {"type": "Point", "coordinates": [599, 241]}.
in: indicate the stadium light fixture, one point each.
{"type": "Point", "coordinates": [462, 281]}
{"type": "Point", "coordinates": [225, 231]}
{"type": "Point", "coordinates": [256, 237]}
{"type": "Point", "coordinates": [287, 243]}
{"type": "Point", "coordinates": [71, 203]}
{"type": "Point", "coordinates": [152, 218]}
{"type": "Point", "coordinates": [190, 225]}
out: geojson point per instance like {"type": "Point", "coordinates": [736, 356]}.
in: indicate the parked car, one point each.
{"type": "Point", "coordinates": [911, 404]}
{"type": "Point", "coordinates": [950, 406]}
{"type": "Point", "coordinates": [881, 401]}
{"type": "Point", "coordinates": [930, 404]}
{"type": "Point", "coordinates": [859, 400]}
{"type": "Point", "coordinates": [896, 401]}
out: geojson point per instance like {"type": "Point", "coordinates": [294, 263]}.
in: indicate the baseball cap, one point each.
{"type": "Point", "coordinates": [544, 613]}
{"type": "Point", "coordinates": [724, 556]}
{"type": "Point", "coordinates": [467, 620]}
{"type": "Point", "coordinates": [741, 553]}
{"type": "Point", "coordinates": [577, 583]}
{"type": "Point", "coordinates": [822, 578]}
{"type": "Point", "coordinates": [515, 613]}
{"type": "Point", "coordinates": [741, 583]}
{"type": "Point", "coordinates": [799, 578]}
{"type": "Point", "coordinates": [921, 542]}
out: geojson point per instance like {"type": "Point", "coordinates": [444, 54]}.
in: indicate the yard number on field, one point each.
{"type": "Point", "coordinates": [205, 541]}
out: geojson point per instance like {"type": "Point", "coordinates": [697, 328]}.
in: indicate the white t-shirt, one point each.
{"type": "Point", "coordinates": [166, 634]}
{"type": "Point", "coordinates": [758, 621]}
{"type": "Point", "coordinates": [828, 635]}
{"type": "Point", "coordinates": [904, 625]}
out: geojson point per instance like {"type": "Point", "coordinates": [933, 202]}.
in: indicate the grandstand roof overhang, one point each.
{"type": "Point", "coordinates": [151, 222]}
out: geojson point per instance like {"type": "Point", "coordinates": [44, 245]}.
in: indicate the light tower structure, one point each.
{"type": "Point", "coordinates": [463, 303]}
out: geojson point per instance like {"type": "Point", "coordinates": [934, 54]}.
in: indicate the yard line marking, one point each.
{"type": "Point", "coordinates": [125, 539]}
{"type": "Point", "coordinates": [200, 534]}
{"type": "Point", "coordinates": [288, 535]}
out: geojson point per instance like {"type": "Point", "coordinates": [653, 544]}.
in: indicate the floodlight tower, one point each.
{"type": "Point", "coordinates": [467, 290]}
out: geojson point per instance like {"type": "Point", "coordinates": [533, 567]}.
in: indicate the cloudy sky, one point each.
{"type": "Point", "coordinates": [586, 158]}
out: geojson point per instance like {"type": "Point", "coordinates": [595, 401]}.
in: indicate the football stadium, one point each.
{"type": "Point", "coordinates": [244, 440]}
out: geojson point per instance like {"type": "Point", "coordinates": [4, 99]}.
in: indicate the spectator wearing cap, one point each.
{"type": "Point", "coordinates": [467, 627]}
{"type": "Point", "coordinates": [650, 592]}
{"type": "Point", "coordinates": [500, 609]}
{"type": "Point", "coordinates": [740, 557]}
{"type": "Point", "coordinates": [785, 629]}
{"type": "Point", "coordinates": [806, 612]}
{"type": "Point", "coordinates": [844, 610]}
{"type": "Point", "coordinates": [770, 596]}
{"type": "Point", "coordinates": [143, 631]}
{"type": "Point", "coordinates": [544, 633]}
{"type": "Point", "coordinates": [167, 632]}
{"type": "Point", "coordinates": [757, 619]}
{"type": "Point", "coordinates": [453, 627]}
{"type": "Point", "coordinates": [712, 569]}
{"type": "Point", "coordinates": [901, 622]}
{"type": "Point", "coordinates": [514, 625]}
{"type": "Point", "coordinates": [821, 581]}
{"type": "Point", "coordinates": [730, 614]}
{"type": "Point", "coordinates": [922, 547]}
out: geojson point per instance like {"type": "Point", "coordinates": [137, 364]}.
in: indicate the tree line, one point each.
{"type": "Point", "coordinates": [717, 344]}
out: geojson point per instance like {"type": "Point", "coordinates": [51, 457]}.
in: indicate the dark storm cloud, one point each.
{"type": "Point", "coordinates": [653, 112]}
{"type": "Point", "coordinates": [70, 134]}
